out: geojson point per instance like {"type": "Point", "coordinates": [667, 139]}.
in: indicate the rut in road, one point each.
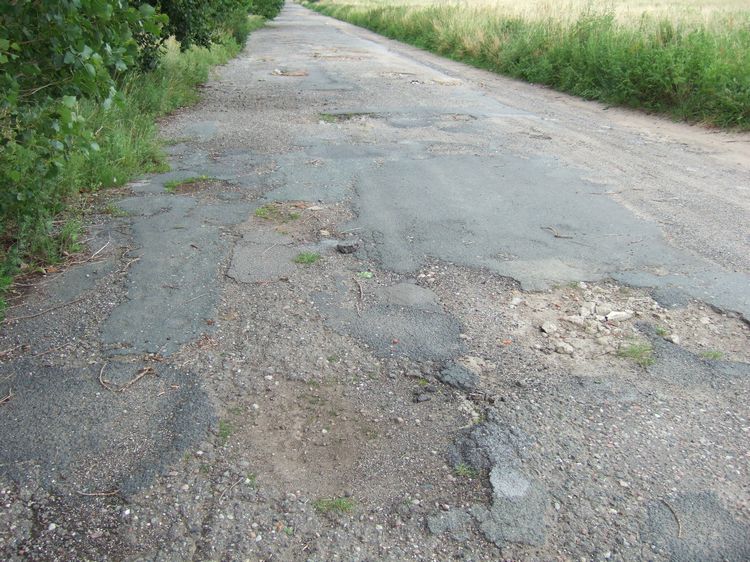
{"type": "Point", "coordinates": [412, 311]}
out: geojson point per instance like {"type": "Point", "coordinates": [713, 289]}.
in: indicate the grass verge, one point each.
{"type": "Point", "coordinates": [126, 135]}
{"type": "Point", "coordinates": [691, 69]}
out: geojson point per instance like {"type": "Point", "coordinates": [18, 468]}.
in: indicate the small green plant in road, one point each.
{"type": "Point", "coordinates": [712, 355]}
{"type": "Point", "coordinates": [225, 430]}
{"type": "Point", "coordinates": [334, 505]}
{"type": "Point", "coordinates": [661, 331]}
{"type": "Point", "coordinates": [275, 212]}
{"type": "Point", "coordinates": [640, 352]}
{"type": "Point", "coordinates": [173, 185]}
{"type": "Point", "coordinates": [69, 236]}
{"type": "Point", "coordinates": [365, 274]}
{"type": "Point", "coordinates": [289, 531]}
{"type": "Point", "coordinates": [465, 471]}
{"type": "Point", "coordinates": [115, 211]}
{"type": "Point", "coordinates": [307, 258]}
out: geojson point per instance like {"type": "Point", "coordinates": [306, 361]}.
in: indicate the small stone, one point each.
{"type": "Point", "coordinates": [422, 398]}
{"type": "Point", "coordinates": [577, 320]}
{"type": "Point", "coordinates": [324, 233]}
{"type": "Point", "coordinates": [184, 487]}
{"type": "Point", "coordinates": [674, 338]}
{"type": "Point", "coordinates": [515, 301]}
{"type": "Point", "coordinates": [705, 320]}
{"type": "Point", "coordinates": [347, 247]}
{"type": "Point", "coordinates": [52, 527]}
{"type": "Point", "coordinates": [564, 348]}
{"type": "Point", "coordinates": [548, 328]}
{"type": "Point", "coordinates": [603, 309]}
{"type": "Point", "coordinates": [619, 315]}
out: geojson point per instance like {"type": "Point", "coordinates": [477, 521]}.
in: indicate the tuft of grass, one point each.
{"type": "Point", "coordinates": [173, 185]}
{"type": "Point", "coordinates": [225, 431]}
{"type": "Point", "coordinates": [114, 211]}
{"type": "Point", "coordinates": [712, 355]}
{"type": "Point", "coordinates": [641, 353]}
{"type": "Point", "coordinates": [691, 66]}
{"type": "Point", "coordinates": [334, 505]}
{"type": "Point", "coordinates": [661, 331]}
{"type": "Point", "coordinates": [465, 471]}
{"type": "Point", "coordinates": [307, 258]}
{"type": "Point", "coordinates": [275, 212]}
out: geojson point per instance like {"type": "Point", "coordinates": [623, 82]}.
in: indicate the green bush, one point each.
{"type": "Point", "coordinates": [269, 9]}
{"type": "Point", "coordinates": [81, 82]}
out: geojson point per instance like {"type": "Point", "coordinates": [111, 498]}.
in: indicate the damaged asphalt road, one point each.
{"type": "Point", "coordinates": [537, 350]}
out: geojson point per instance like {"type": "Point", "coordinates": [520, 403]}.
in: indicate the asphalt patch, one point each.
{"type": "Point", "coordinates": [77, 435]}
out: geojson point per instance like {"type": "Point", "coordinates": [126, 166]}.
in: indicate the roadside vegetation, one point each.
{"type": "Point", "coordinates": [682, 58]}
{"type": "Point", "coordinates": [81, 86]}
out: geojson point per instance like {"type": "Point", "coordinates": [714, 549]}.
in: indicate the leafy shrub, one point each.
{"type": "Point", "coordinates": [269, 9]}
{"type": "Point", "coordinates": [80, 84]}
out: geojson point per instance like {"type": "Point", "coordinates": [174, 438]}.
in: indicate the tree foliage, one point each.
{"type": "Point", "coordinates": [57, 55]}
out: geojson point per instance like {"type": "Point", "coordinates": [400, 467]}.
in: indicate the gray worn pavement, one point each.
{"type": "Point", "coordinates": [539, 349]}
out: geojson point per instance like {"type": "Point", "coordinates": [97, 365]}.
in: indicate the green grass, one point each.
{"type": "Point", "coordinates": [334, 505]}
{"type": "Point", "coordinates": [465, 471]}
{"type": "Point", "coordinates": [275, 212]}
{"type": "Point", "coordinates": [712, 355]}
{"type": "Point", "coordinates": [641, 353]}
{"type": "Point", "coordinates": [689, 68]}
{"type": "Point", "coordinates": [661, 331]}
{"type": "Point", "coordinates": [307, 258]}
{"type": "Point", "coordinates": [114, 211]}
{"type": "Point", "coordinates": [126, 135]}
{"type": "Point", "coordinates": [225, 432]}
{"type": "Point", "coordinates": [171, 186]}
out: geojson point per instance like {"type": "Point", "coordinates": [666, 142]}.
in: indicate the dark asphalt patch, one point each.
{"type": "Point", "coordinates": [63, 426]}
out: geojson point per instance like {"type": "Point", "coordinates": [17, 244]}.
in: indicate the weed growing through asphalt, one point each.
{"type": "Point", "coordinates": [661, 331]}
{"type": "Point", "coordinates": [465, 471]}
{"type": "Point", "coordinates": [334, 505]}
{"type": "Point", "coordinates": [712, 355]}
{"type": "Point", "coordinates": [307, 258]}
{"type": "Point", "coordinates": [641, 353]}
{"type": "Point", "coordinates": [275, 212]}
{"type": "Point", "coordinates": [251, 480]}
{"type": "Point", "coordinates": [225, 430]}
{"type": "Point", "coordinates": [115, 211]}
{"type": "Point", "coordinates": [171, 186]}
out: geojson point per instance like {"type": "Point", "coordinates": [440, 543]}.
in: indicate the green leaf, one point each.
{"type": "Point", "coordinates": [69, 101]}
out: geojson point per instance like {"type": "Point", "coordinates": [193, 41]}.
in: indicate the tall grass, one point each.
{"type": "Point", "coordinates": [692, 65]}
{"type": "Point", "coordinates": [129, 146]}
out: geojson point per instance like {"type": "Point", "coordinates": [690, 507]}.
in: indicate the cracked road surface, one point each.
{"type": "Point", "coordinates": [413, 310]}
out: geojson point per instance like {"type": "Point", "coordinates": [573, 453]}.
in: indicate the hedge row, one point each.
{"type": "Point", "coordinates": [65, 70]}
